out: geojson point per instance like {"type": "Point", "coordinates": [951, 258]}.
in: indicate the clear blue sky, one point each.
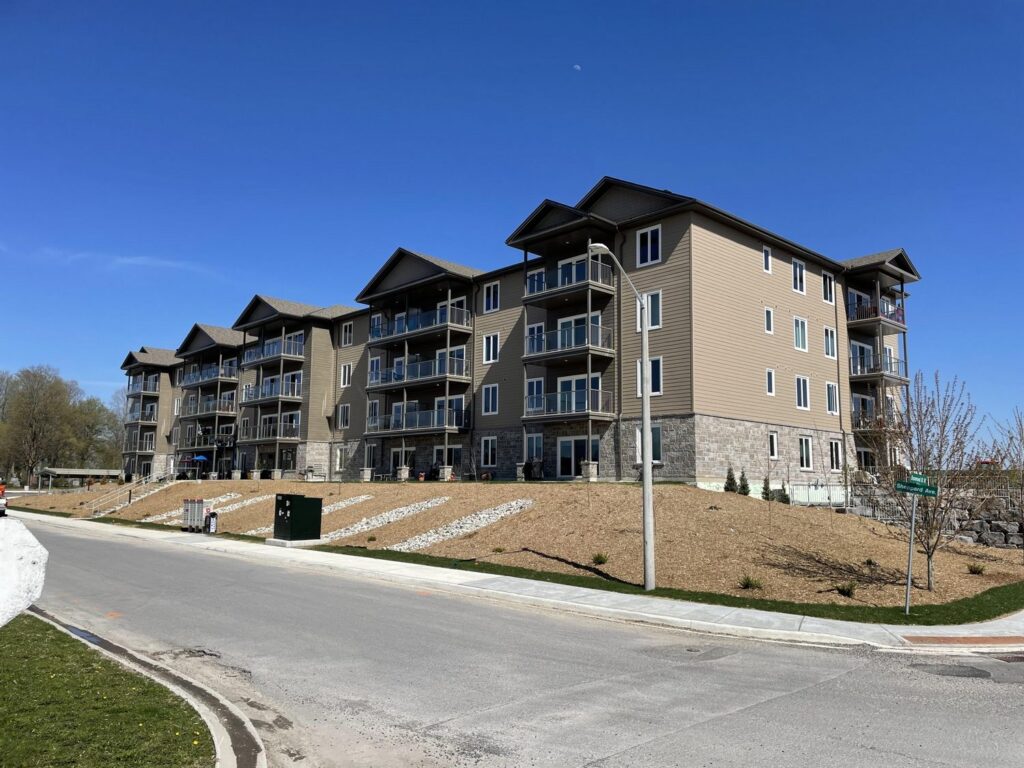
{"type": "Point", "coordinates": [161, 163]}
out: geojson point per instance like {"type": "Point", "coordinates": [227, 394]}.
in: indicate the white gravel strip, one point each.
{"type": "Point", "coordinates": [242, 504]}
{"type": "Point", "coordinates": [385, 518]}
{"type": "Point", "coordinates": [326, 511]}
{"type": "Point", "coordinates": [463, 525]}
{"type": "Point", "coordinates": [159, 518]}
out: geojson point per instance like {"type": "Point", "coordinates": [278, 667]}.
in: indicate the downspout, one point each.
{"type": "Point", "coordinates": [839, 389]}
{"type": "Point", "coordinates": [475, 386]}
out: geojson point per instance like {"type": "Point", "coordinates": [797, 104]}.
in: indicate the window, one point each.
{"type": "Point", "coordinates": [832, 397]}
{"type": "Point", "coordinates": [534, 446]}
{"type": "Point", "coordinates": [655, 444]}
{"type": "Point", "coordinates": [655, 377]}
{"type": "Point", "coordinates": [800, 334]}
{"type": "Point", "coordinates": [828, 288]}
{"type": "Point", "coordinates": [654, 304]}
{"type": "Point", "coordinates": [773, 445]}
{"type": "Point", "coordinates": [347, 334]}
{"type": "Point", "coordinates": [174, 436]}
{"type": "Point", "coordinates": [179, 374]}
{"type": "Point", "coordinates": [177, 406]}
{"type": "Point", "coordinates": [346, 374]}
{"type": "Point", "coordinates": [648, 246]}
{"type": "Point", "coordinates": [343, 414]}
{"type": "Point", "coordinates": [769, 320]}
{"type": "Point", "coordinates": [373, 414]}
{"type": "Point", "coordinates": [803, 394]}
{"type": "Point", "coordinates": [491, 348]}
{"type": "Point", "coordinates": [830, 342]}
{"type": "Point", "coordinates": [490, 399]}
{"type": "Point", "coordinates": [492, 297]}
{"type": "Point", "coordinates": [806, 457]}
{"type": "Point", "coordinates": [339, 454]}
{"type": "Point", "coordinates": [798, 276]}
{"type": "Point", "coordinates": [835, 455]}
{"type": "Point", "coordinates": [769, 381]}
{"type": "Point", "coordinates": [488, 451]}
{"type": "Point", "coordinates": [766, 255]}
{"type": "Point", "coordinates": [534, 281]}
{"type": "Point", "coordinates": [376, 325]}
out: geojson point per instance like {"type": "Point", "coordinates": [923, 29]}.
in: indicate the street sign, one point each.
{"type": "Point", "coordinates": [906, 486]}
{"type": "Point", "coordinates": [916, 478]}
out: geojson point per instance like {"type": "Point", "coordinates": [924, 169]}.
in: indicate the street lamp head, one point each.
{"type": "Point", "coordinates": [599, 248]}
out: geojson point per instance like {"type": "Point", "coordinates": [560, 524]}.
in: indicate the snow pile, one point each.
{"type": "Point", "coordinates": [463, 525]}
{"type": "Point", "coordinates": [385, 518]}
{"type": "Point", "coordinates": [22, 568]}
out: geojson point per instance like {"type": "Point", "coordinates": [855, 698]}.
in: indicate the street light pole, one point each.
{"type": "Point", "coordinates": [646, 439]}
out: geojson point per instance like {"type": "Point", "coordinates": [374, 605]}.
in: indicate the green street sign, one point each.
{"type": "Point", "coordinates": [905, 486]}
{"type": "Point", "coordinates": [916, 478]}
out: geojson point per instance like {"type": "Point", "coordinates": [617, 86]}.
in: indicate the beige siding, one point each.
{"type": "Point", "coordinates": [730, 347]}
{"type": "Point", "coordinates": [353, 395]}
{"type": "Point", "coordinates": [508, 321]}
{"type": "Point", "coordinates": [318, 384]}
{"type": "Point", "coordinates": [673, 342]}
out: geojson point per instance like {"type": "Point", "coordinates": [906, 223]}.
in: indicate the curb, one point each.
{"type": "Point", "coordinates": [236, 742]}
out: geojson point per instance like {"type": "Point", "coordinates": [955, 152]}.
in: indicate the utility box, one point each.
{"type": "Point", "coordinates": [297, 517]}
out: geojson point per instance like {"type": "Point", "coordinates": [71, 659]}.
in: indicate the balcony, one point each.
{"type": "Point", "coordinates": [550, 286]}
{"type": "Point", "coordinates": [873, 366]}
{"type": "Point", "coordinates": [868, 419]}
{"type": "Point", "coordinates": [204, 441]}
{"type": "Point", "coordinates": [890, 314]}
{"type": "Point", "coordinates": [293, 349]}
{"type": "Point", "coordinates": [423, 322]}
{"type": "Point", "coordinates": [135, 446]}
{"type": "Point", "coordinates": [424, 372]}
{"type": "Point", "coordinates": [567, 406]}
{"type": "Point", "coordinates": [285, 431]}
{"type": "Point", "coordinates": [141, 416]}
{"type": "Point", "coordinates": [272, 391]}
{"type": "Point", "coordinates": [434, 420]}
{"type": "Point", "coordinates": [569, 342]}
{"type": "Point", "coordinates": [210, 373]}
{"type": "Point", "coordinates": [150, 387]}
{"type": "Point", "coordinates": [224, 406]}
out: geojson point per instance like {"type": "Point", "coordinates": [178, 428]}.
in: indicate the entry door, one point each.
{"type": "Point", "coordinates": [535, 395]}
{"type": "Point", "coordinates": [573, 396]}
{"type": "Point", "coordinates": [572, 452]}
{"type": "Point", "coordinates": [534, 338]}
{"type": "Point", "coordinates": [861, 356]}
{"type": "Point", "coordinates": [454, 455]}
{"type": "Point", "coordinates": [399, 369]}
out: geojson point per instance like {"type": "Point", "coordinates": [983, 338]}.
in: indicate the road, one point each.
{"type": "Point", "coordinates": [340, 672]}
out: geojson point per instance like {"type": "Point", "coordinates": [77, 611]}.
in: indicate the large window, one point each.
{"type": "Point", "coordinates": [534, 446]}
{"type": "Point", "coordinates": [489, 451]}
{"type": "Point", "coordinates": [490, 399]}
{"type": "Point", "coordinates": [656, 368]}
{"type": "Point", "coordinates": [803, 394]}
{"type": "Point", "coordinates": [492, 297]}
{"type": "Point", "coordinates": [828, 288]}
{"type": "Point", "coordinates": [655, 444]}
{"type": "Point", "coordinates": [832, 397]}
{"type": "Point", "coordinates": [654, 304]}
{"type": "Point", "coordinates": [491, 343]}
{"type": "Point", "coordinates": [648, 246]}
{"type": "Point", "coordinates": [830, 342]}
{"type": "Point", "coordinates": [769, 320]}
{"type": "Point", "coordinates": [799, 276]}
{"type": "Point", "coordinates": [347, 334]}
{"type": "Point", "coordinates": [806, 457]}
{"type": "Point", "coordinates": [800, 334]}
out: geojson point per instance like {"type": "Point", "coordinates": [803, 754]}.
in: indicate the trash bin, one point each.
{"type": "Point", "coordinates": [213, 523]}
{"type": "Point", "coordinates": [297, 517]}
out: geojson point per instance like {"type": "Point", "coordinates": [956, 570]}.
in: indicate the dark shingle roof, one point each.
{"type": "Point", "coordinates": [285, 307]}
{"type": "Point", "coordinates": [872, 259]}
{"type": "Point", "coordinates": [334, 311]}
{"type": "Point", "coordinates": [450, 266]}
{"type": "Point", "coordinates": [157, 356]}
{"type": "Point", "coordinates": [227, 337]}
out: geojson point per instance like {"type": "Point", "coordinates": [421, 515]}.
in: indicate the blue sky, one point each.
{"type": "Point", "coordinates": [161, 163]}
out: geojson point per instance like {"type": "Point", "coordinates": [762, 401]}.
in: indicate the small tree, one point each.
{"type": "Point", "coordinates": [783, 494]}
{"type": "Point", "coordinates": [1009, 449]}
{"type": "Point", "coordinates": [766, 490]}
{"type": "Point", "coordinates": [934, 433]}
{"type": "Point", "coordinates": [730, 482]}
{"type": "Point", "coordinates": [744, 487]}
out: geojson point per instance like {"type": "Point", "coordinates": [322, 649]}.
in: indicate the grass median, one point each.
{"type": "Point", "coordinates": [64, 704]}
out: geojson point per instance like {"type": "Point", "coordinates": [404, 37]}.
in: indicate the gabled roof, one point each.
{"type": "Point", "coordinates": [154, 356]}
{"type": "Point", "coordinates": [423, 268]}
{"type": "Point", "coordinates": [215, 335]}
{"type": "Point", "coordinates": [660, 198]}
{"type": "Point", "coordinates": [334, 311]}
{"type": "Point", "coordinates": [895, 259]}
{"type": "Point", "coordinates": [273, 308]}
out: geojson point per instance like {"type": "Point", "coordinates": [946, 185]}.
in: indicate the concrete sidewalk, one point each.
{"type": "Point", "coordinates": [1003, 634]}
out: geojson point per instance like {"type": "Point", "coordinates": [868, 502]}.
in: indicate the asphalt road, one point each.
{"type": "Point", "coordinates": [339, 672]}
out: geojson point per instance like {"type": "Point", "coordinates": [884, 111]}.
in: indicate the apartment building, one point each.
{"type": "Point", "coordinates": [765, 355]}
{"type": "Point", "coordinates": [148, 447]}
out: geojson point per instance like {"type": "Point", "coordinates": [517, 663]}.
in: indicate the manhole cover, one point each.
{"type": "Point", "coordinates": [952, 670]}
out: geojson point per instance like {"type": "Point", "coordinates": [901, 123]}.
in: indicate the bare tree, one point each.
{"type": "Point", "coordinates": [935, 433]}
{"type": "Point", "coordinates": [1008, 447]}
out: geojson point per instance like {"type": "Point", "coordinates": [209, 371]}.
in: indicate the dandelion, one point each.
{"type": "Point", "coordinates": [195, 742]}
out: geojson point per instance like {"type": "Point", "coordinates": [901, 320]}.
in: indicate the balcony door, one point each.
{"type": "Point", "coordinates": [858, 304]}
{"type": "Point", "coordinates": [396, 458]}
{"type": "Point", "coordinates": [572, 271]}
{"type": "Point", "coordinates": [861, 357]}
{"type": "Point", "coordinates": [572, 452]}
{"type": "Point", "coordinates": [572, 331]}
{"type": "Point", "coordinates": [454, 458]}
{"type": "Point", "coordinates": [534, 396]}
{"type": "Point", "coordinates": [572, 392]}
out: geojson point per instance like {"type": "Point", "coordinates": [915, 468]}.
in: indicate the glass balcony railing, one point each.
{"type": "Point", "coordinates": [210, 405]}
{"type": "Point", "coordinates": [413, 372]}
{"type": "Point", "coordinates": [565, 339]}
{"type": "Point", "coordinates": [143, 387]}
{"type": "Point", "coordinates": [578, 401]}
{"type": "Point", "coordinates": [147, 415]}
{"type": "Point", "coordinates": [273, 349]}
{"type": "Point", "coordinates": [272, 389]}
{"type": "Point", "coordinates": [421, 321]}
{"type": "Point", "coordinates": [209, 373]}
{"type": "Point", "coordinates": [439, 418]}
{"type": "Point", "coordinates": [571, 273]}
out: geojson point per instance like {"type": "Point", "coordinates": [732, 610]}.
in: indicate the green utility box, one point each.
{"type": "Point", "coordinates": [297, 517]}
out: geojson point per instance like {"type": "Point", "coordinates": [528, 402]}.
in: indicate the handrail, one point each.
{"type": "Point", "coordinates": [434, 418]}
{"type": "Point", "coordinates": [424, 369]}
{"type": "Point", "coordinates": [563, 403]}
{"type": "Point", "coordinates": [568, 274]}
{"type": "Point", "coordinates": [875, 364]}
{"type": "Point", "coordinates": [888, 311]}
{"type": "Point", "coordinates": [211, 405]}
{"type": "Point", "coordinates": [562, 339]}
{"type": "Point", "coordinates": [144, 387]}
{"type": "Point", "coordinates": [274, 348]}
{"type": "Point", "coordinates": [422, 320]}
{"type": "Point", "coordinates": [209, 373]}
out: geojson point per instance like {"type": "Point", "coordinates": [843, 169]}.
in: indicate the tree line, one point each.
{"type": "Point", "coordinates": [48, 421]}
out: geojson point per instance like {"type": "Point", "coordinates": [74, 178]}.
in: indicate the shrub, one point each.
{"type": "Point", "coordinates": [730, 482]}
{"type": "Point", "coordinates": [870, 563]}
{"type": "Point", "coordinates": [766, 489]}
{"type": "Point", "coordinates": [782, 495]}
{"type": "Point", "coordinates": [847, 588]}
{"type": "Point", "coordinates": [371, 538]}
{"type": "Point", "coordinates": [498, 550]}
{"type": "Point", "coordinates": [749, 582]}
{"type": "Point", "coordinates": [744, 489]}
{"type": "Point", "coordinates": [599, 558]}
{"type": "Point", "coordinates": [976, 569]}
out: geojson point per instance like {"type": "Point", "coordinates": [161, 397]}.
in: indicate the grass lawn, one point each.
{"type": "Point", "coordinates": [63, 704]}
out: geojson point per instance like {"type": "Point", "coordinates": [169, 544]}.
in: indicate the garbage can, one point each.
{"type": "Point", "coordinates": [297, 517]}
